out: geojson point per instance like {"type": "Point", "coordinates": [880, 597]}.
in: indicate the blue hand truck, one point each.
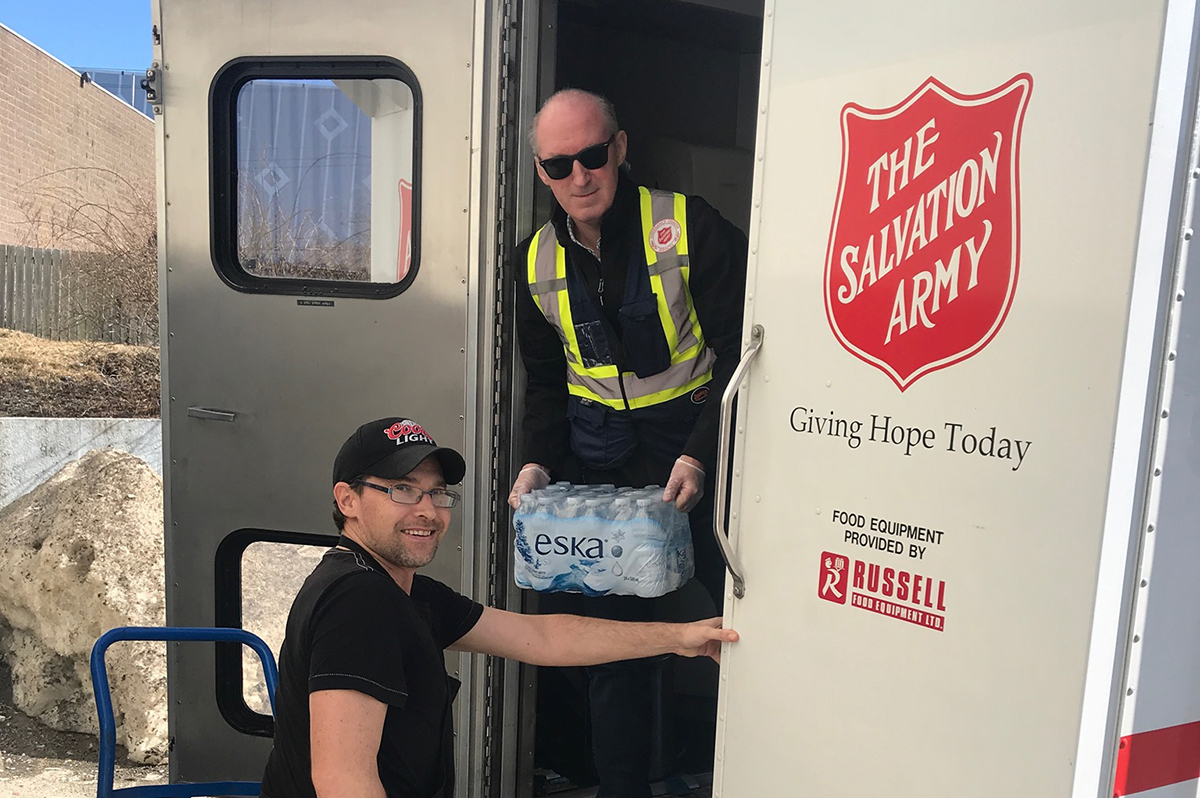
{"type": "Point", "coordinates": [108, 725]}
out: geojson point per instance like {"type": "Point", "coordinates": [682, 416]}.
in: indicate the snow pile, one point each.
{"type": "Point", "coordinates": [79, 555]}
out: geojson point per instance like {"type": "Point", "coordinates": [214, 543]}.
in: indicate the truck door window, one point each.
{"type": "Point", "coordinates": [316, 176]}
{"type": "Point", "coordinates": [272, 574]}
{"type": "Point", "coordinates": [257, 575]}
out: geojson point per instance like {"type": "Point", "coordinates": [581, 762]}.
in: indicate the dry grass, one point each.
{"type": "Point", "coordinates": [76, 379]}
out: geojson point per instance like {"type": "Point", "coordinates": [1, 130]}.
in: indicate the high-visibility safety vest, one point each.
{"type": "Point", "coordinates": [665, 241]}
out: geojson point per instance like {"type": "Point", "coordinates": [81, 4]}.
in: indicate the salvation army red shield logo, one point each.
{"type": "Point", "coordinates": [665, 235]}
{"type": "Point", "coordinates": [924, 249]}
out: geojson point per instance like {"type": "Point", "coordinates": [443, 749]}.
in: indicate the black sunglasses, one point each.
{"type": "Point", "coordinates": [592, 157]}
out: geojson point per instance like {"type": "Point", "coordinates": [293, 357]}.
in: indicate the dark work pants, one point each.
{"type": "Point", "coordinates": [621, 694]}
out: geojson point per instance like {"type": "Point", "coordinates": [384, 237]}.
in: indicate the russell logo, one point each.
{"type": "Point", "coordinates": [883, 590]}
{"type": "Point", "coordinates": [924, 248]}
{"type": "Point", "coordinates": [834, 578]}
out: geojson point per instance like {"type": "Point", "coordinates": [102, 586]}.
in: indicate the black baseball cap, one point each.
{"type": "Point", "coordinates": [390, 448]}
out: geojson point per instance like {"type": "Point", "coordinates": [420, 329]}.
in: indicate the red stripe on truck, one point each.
{"type": "Point", "coordinates": [1153, 759]}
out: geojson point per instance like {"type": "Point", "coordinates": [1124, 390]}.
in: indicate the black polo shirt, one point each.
{"type": "Point", "coordinates": [352, 627]}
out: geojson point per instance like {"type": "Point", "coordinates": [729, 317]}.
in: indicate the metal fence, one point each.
{"type": "Point", "coordinates": [41, 294]}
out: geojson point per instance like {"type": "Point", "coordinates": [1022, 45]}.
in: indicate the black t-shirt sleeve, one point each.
{"type": "Point", "coordinates": [356, 644]}
{"type": "Point", "coordinates": [451, 615]}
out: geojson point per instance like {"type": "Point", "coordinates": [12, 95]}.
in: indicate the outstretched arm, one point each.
{"type": "Point", "coordinates": [563, 640]}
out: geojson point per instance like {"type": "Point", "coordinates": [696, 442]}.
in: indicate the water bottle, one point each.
{"type": "Point", "coordinates": [526, 523]}
{"type": "Point", "coordinates": [557, 490]}
{"type": "Point", "coordinates": [650, 492]}
{"type": "Point", "coordinates": [597, 507]}
{"type": "Point", "coordinates": [639, 554]}
{"type": "Point", "coordinates": [543, 525]}
{"type": "Point", "coordinates": [623, 511]}
{"type": "Point", "coordinates": [593, 526]}
{"type": "Point", "coordinates": [571, 507]}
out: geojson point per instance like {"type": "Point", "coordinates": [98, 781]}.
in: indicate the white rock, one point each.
{"type": "Point", "coordinates": [79, 555]}
{"type": "Point", "coordinates": [272, 574]}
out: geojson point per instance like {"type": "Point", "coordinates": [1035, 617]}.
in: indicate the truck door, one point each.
{"type": "Point", "coordinates": [316, 202]}
{"type": "Point", "coordinates": [961, 255]}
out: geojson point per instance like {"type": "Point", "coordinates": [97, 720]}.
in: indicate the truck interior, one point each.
{"type": "Point", "coordinates": [683, 77]}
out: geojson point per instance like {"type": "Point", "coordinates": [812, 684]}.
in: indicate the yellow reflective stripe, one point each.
{"type": "Point", "coordinates": [664, 310]}
{"type": "Point", "coordinates": [670, 393]}
{"type": "Point", "coordinates": [664, 315]}
{"type": "Point", "coordinates": [597, 373]}
{"type": "Point", "coordinates": [641, 401]}
{"type": "Point", "coordinates": [681, 217]}
{"type": "Point", "coordinates": [647, 225]}
{"type": "Point", "coordinates": [532, 258]}
{"type": "Point", "coordinates": [564, 309]}
{"type": "Point", "coordinates": [690, 353]}
{"type": "Point", "coordinates": [575, 357]}
{"type": "Point", "coordinates": [694, 319]}
{"type": "Point", "coordinates": [584, 393]}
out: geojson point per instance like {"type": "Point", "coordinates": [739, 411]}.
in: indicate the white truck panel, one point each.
{"type": "Point", "coordinates": [975, 683]}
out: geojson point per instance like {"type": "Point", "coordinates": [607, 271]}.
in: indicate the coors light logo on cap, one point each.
{"type": "Point", "coordinates": [408, 431]}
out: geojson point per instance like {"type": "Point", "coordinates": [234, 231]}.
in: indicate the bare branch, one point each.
{"type": "Point", "coordinates": [108, 224]}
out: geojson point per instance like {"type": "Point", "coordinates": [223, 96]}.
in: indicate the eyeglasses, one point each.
{"type": "Point", "coordinates": [592, 157]}
{"type": "Point", "coordinates": [411, 494]}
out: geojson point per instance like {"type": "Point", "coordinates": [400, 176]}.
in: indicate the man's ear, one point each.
{"type": "Point", "coordinates": [541, 173]}
{"type": "Point", "coordinates": [347, 499]}
{"type": "Point", "coordinates": [620, 145]}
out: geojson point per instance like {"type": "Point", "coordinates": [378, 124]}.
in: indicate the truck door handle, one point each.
{"type": "Point", "coordinates": [721, 503]}
{"type": "Point", "coordinates": [210, 414]}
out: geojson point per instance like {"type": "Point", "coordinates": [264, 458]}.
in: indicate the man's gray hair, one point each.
{"type": "Point", "coordinates": [603, 103]}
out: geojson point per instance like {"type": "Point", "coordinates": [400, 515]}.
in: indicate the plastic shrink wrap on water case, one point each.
{"type": "Point", "coordinates": [599, 540]}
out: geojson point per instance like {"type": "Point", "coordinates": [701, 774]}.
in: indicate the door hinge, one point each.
{"type": "Point", "coordinates": [152, 85]}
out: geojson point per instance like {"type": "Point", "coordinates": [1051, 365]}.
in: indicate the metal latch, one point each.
{"type": "Point", "coordinates": [210, 414]}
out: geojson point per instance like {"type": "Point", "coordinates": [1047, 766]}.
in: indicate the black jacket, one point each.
{"type": "Point", "coordinates": [717, 252]}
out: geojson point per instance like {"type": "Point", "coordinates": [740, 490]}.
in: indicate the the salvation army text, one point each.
{"type": "Point", "coordinates": [960, 194]}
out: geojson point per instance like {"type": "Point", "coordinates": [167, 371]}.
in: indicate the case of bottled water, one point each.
{"type": "Point", "coordinates": [600, 540]}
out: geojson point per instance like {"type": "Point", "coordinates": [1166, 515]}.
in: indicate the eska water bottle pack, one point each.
{"type": "Point", "coordinates": [600, 540]}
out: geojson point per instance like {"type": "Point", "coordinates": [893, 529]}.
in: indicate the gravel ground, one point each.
{"type": "Point", "coordinates": [39, 762]}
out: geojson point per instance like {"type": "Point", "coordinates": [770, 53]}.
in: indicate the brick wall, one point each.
{"type": "Point", "coordinates": [76, 163]}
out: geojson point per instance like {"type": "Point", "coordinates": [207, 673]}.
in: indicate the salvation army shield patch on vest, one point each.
{"type": "Point", "coordinates": [924, 248]}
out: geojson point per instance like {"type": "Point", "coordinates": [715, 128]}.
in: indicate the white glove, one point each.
{"type": "Point", "coordinates": [531, 477]}
{"type": "Point", "coordinates": [686, 485]}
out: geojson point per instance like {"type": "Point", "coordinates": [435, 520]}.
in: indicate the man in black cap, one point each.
{"type": "Point", "coordinates": [364, 701]}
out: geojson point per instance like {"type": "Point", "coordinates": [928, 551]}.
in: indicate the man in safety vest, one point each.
{"type": "Point", "coordinates": [629, 318]}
